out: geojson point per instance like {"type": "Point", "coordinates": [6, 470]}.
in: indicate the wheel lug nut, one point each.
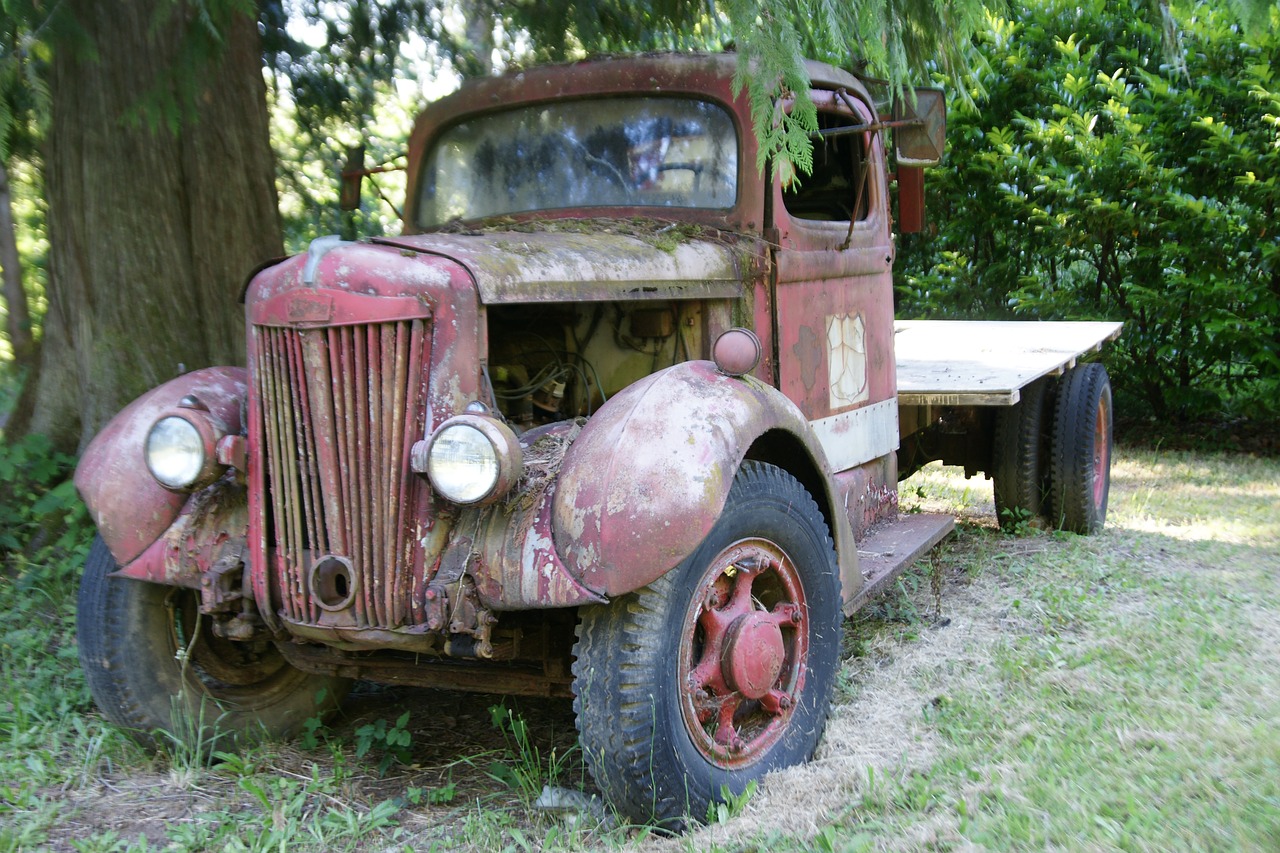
{"type": "Point", "coordinates": [796, 616]}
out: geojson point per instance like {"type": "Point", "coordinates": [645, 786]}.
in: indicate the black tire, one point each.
{"type": "Point", "coordinates": [131, 634]}
{"type": "Point", "coordinates": [1020, 456]}
{"type": "Point", "coordinates": [663, 677]}
{"type": "Point", "coordinates": [1080, 474]}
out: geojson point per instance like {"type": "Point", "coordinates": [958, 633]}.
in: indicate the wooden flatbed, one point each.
{"type": "Point", "coordinates": [986, 363]}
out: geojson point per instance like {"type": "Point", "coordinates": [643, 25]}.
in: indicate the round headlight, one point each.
{"type": "Point", "coordinates": [462, 464]}
{"type": "Point", "coordinates": [175, 452]}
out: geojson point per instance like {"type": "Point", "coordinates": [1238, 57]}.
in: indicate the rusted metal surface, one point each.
{"type": "Point", "coordinates": [870, 493]}
{"type": "Point", "coordinates": [517, 565]}
{"type": "Point", "coordinates": [889, 549]}
{"type": "Point", "coordinates": [304, 309]}
{"type": "Point", "coordinates": [910, 199]}
{"type": "Point", "coordinates": [922, 128]}
{"type": "Point", "coordinates": [835, 293]}
{"type": "Point", "coordinates": [326, 545]}
{"type": "Point", "coordinates": [448, 675]}
{"type": "Point", "coordinates": [358, 351]}
{"type": "Point", "coordinates": [741, 668]}
{"type": "Point", "coordinates": [339, 346]}
{"type": "Point", "coordinates": [338, 409]}
{"type": "Point", "coordinates": [130, 509]}
{"type": "Point", "coordinates": [622, 519]}
{"type": "Point", "coordinates": [586, 266]}
{"type": "Point", "coordinates": [212, 526]}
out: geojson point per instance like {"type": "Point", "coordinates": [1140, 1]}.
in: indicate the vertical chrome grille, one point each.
{"type": "Point", "coordinates": [340, 408]}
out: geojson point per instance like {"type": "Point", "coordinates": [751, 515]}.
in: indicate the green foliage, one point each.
{"type": "Point", "coordinates": [730, 805]}
{"type": "Point", "coordinates": [1017, 521]}
{"type": "Point", "coordinates": [894, 39]}
{"type": "Point", "coordinates": [47, 737]}
{"type": "Point", "coordinates": [441, 796]}
{"type": "Point", "coordinates": [335, 88]}
{"type": "Point", "coordinates": [334, 94]}
{"type": "Point", "coordinates": [393, 741]}
{"type": "Point", "coordinates": [526, 769]}
{"type": "Point", "coordinates": [1099, 181]}
{"type": "Point", "coordinates": [26, 29]}
{"type": "Point", "coordinates": [191, 740]}
{"type": "Point", "coordinates": [41, 516]}
{"type": "Point", "coordinates": [294, 814]}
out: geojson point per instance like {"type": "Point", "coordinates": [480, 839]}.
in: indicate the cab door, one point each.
{"type": "Point", "coordinates": [833, 287]}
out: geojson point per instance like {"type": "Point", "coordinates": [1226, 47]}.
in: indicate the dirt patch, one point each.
{"type": "Point", "coordinates": [455, 746]}
{"type": "Point", "coordinates": [877, 730]}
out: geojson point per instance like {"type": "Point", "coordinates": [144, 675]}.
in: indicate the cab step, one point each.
{"type": "Point", "coordinates": [889, 548]}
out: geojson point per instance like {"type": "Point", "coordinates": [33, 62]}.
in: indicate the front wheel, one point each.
{"type": "Point", "coordinates": [722, 669]}
{"type": "Point", "coordinates": [156, 668]}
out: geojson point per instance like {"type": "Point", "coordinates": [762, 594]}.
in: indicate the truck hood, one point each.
{"type": "Point", "coordinates": [597, 265]}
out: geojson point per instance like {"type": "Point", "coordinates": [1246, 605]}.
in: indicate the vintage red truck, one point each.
{"type": "Point", "coordinates": [618, 416]}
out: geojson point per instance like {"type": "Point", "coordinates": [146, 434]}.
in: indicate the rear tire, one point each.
{"type": "Point", "coordinates": [1020, 469]}
{"type": "Point", "coordinates": [1080, 479]}
{"type": "Point", "coordinates": [722, 669]}
{"type": "Point", "coordinates": [131, 634]}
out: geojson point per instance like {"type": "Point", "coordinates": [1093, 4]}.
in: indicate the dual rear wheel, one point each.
{"type": "Point", "coordinates": [1052, 453]}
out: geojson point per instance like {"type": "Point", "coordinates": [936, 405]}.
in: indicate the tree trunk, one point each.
{"type": "Point", "coordinates": [17, 316]}
{"type": "Point", "coordinates": [151, 231]}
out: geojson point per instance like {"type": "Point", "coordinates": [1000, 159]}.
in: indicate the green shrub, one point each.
{"type": "Point", "coordinates": [1099, 181]}
{"type": "Point", "coordinates": [41, 516]}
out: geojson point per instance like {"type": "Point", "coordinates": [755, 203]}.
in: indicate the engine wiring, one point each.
{"type": "Point", "coordinates": [564, 367]}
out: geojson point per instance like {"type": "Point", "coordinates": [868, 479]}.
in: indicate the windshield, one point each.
{"type": "Point", "coordinates": [647, 152]}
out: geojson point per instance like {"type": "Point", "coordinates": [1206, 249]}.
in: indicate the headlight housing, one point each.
{"type": "Point", "coordinates": [470, 459]}
{"type": "Point", "coordinates": [180, 452]}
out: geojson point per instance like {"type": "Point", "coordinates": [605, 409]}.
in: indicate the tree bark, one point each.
{"type": "Point", "coordinates": [17, 315]}
{"type": "Point", "coordinates": [152, 231]}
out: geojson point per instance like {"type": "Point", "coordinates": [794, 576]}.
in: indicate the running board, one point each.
{"type": "Point", "coordinates": [890, 548]}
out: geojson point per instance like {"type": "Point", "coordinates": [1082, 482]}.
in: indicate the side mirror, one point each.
{"type": "Point", "coordinates": [921, 138]}
{"type": "Point", "coordinates": [352, 174]}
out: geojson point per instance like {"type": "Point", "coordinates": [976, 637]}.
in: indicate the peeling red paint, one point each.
{"type": "Point", "coordinates": [623, 520]}
{"type": "Point", "coordinates": [870, 493]}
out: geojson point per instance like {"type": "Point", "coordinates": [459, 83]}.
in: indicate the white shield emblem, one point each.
{"type": "Point", "coordinates": [847, 360]}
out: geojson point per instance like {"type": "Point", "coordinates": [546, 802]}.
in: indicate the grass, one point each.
{"type": "Point", "coordinates": [1016, 691]}
{"type": "Point", "coordinates": [1114, 692]}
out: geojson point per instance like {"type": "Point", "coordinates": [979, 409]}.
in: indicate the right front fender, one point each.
{"type": "Point", "coordinates": [129, 507]}
{"type": "Point", "coordinates": [647, 478]}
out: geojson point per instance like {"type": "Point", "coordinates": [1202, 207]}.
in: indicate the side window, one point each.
{"type": "Point", "coordinates": [837, 190]}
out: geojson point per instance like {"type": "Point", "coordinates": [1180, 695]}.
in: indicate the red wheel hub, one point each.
{"type": "Point", "coordinates": [1101, 455]}
{"type": "Point", "coordinates": [753, 655]}
{"type": "Point", "coordinates": [744, 654]}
